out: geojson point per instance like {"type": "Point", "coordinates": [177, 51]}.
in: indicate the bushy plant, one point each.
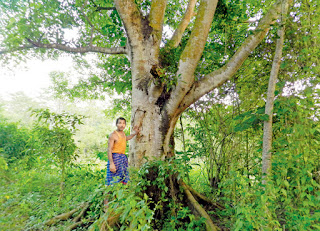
{"type": "Point", "coordinates": [30, 198]}
{"type": "Point", "coordinates": [56, 132]}
{"type": "Point", "coordinates": [13, 140]}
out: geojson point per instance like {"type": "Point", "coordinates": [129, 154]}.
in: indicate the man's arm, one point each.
{"type": "Point", "coordinates": [110, 146]}
{"type": "Point", "coordinates": [136, 131]}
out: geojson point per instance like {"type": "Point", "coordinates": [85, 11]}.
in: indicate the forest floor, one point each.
{"type": "Point", "coordinates": [29, 197]}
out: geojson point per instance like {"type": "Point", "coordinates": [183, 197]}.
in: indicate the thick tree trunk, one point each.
{"type": "Point", "coordinates": [148, 142]}
{"type": "Point", "coordinates": [147, 107]}
{"type": "Point", "coordinates": [155, 125]}
{"type": "Point", "coordinates": [144, 37]}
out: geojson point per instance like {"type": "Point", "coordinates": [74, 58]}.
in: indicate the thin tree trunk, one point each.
{"type": "Point", "coordinates": [267, 129]}
{"type": "Point", "coordinates": [62, 183]}
{"type": "Point", "coordinates": [182, 135]}
{"type": "Point", "coordinates": [184, 146]}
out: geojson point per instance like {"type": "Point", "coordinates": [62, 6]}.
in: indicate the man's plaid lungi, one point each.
{"type": "Point", "coordinates": [122, 174]}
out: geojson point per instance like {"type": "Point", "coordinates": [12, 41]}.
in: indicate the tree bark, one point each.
{"type": "Point", "coordinates": [267, 129]}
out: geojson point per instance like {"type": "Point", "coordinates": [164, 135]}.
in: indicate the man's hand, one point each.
{"type": "Point", "coordinates": [113, 168]}
{"type": "Point", "coordinates": [136, 129]}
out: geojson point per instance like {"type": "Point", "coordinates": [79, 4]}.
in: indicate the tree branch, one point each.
{"type": "Point", "coordinates": [99, 8]}
{"type": "Point", "coordinates": [132, 20]}
{"type": "Point", "coordinates": [85, 16]}
{"type": "Point", "coordinates": [89, 21]}
{"type": "Point", "coordinates": [62, 47]}
{"type": "Point", "coordinates": [220, 76]}
{"type": "Point", "coordinates": [156, 17]}
{"type": "Point", "coordinates": [25, 47]}
{"type": "Point", "coordinates": [62, 217]}
{"type": "Point", "coordinates": [177, 35]}
{"type": "Point", "coordinates": [192, 53]}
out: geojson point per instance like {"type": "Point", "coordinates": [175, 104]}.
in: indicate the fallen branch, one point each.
{"type": "Point", "coordinates": [63, 216]}
{"type": "Point", "coordinates": [209, 224]}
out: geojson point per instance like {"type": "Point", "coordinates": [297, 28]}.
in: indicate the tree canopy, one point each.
{"type": "Point", "coordinates": [168, 53]}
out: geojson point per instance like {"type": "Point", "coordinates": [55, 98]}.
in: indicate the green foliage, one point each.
{"type": "Point", "coordinates": [184, 220]}
{"type": "Point", "coordinates": [225, 126]}
{"type": "Point", "coordinates": [134, 210]}
{"type": "Point", "coordinates": [115, 77]}
{"type": "Point", "coordinates": [13, 141]}
{"type": "Point", "coordinates": [287, 202]}
{"type": "Point", "coordinates": [302, 34]}
{"type": "Point", "coordinates": [3, 162]}
{"type": "Point", "coordinates": [30, 197]}
{"type": "Point", "coordinates": [169, 65]}
{"type": "Point", "coordinates": [250, 119]}
{"type": "Point", "coordinates": [57, 135]}
{"type": "Point", "coordinates": [290, 199]}
{"type": "Point", "coordinates": [226, 130]}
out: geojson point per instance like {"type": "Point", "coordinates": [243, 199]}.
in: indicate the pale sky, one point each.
{"type": "Point", "coordinates": [33, 79]}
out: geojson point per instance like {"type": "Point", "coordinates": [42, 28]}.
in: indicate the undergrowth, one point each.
{"type": "Point", "coordinates": [29, 197]}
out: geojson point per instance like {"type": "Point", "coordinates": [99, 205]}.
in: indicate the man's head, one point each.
{"type": "Point", "coordinates": [121, 123]}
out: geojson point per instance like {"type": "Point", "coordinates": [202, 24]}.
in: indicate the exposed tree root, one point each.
{"type": "Point", "coordinates": [83, 211]}
{"type": "Point", "coordinates": [173, 194]}
{"type": "Point", "coordinates": [113, 220]}
{"type": "Point", "coordinates": [204, 198]}
{"type": "Point", "coordinates": [107, 221]}
{"type": "Point", "coordinates": [209, 224]}
{"type": "Point", "coordinates": [75, 225]}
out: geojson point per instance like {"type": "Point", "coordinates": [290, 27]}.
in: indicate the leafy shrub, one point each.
{"type": "Point", "coordinates": [13, 140]}
{"type": "Point", "coordinates": [30, 197]}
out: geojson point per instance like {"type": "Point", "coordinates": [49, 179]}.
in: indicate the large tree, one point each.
{"type": "Point", "coordinates": [167, 74]}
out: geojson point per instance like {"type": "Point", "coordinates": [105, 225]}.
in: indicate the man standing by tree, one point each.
{"type": "Point", "coordinates": [117, 167]}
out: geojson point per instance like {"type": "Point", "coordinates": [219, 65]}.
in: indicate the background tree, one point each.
{"type": "Point", "coordinates": [267, 129]}
{"type": "Point", "coordinates": [57, 134]}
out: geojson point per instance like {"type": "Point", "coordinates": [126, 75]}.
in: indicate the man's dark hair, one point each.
{"type": "Point", "coordinates": [121, 118]}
